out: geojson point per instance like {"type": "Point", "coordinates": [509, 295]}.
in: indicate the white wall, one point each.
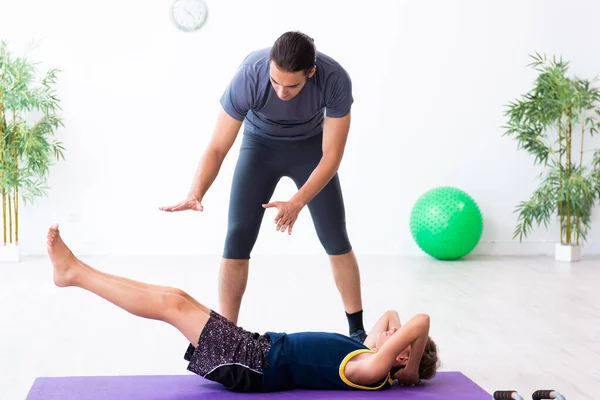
{"type": "Point", "coordinates": [430, 82]}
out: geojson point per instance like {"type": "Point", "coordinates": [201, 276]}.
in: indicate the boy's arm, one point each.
{"type": "Point", "coordinates": [416, 352]}
{"type": "Point", "coordinates": [388, 320]}
{"type": "Point", "coordinates": [409, 375]}
{"type": "Point", "coordinates": [381, 363]}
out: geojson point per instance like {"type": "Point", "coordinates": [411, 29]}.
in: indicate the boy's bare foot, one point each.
{"type": "Point", "coordinates": [63, 260]}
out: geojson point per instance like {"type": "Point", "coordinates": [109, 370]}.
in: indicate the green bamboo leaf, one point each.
{"type": "Point", "coordinates": [545, 121]}
{"type": "Point", "coordinates": [28, 115]}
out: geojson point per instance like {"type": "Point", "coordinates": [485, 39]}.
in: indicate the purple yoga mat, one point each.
{"type": "Point", "coordinates": [445, 386]}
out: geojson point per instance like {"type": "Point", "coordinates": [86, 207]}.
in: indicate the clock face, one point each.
{"type": "Point", "coordinates": [188, 15]}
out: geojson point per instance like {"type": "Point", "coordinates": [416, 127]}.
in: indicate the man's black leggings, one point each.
{"type": "Point", "coordinates": [261, 164]}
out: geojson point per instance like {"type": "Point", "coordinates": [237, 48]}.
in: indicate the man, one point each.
{"type": "Point", "coordinates": [281, 94]}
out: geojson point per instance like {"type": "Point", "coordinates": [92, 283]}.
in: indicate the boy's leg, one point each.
{"type": "Point", "coordinates": [143, 285]}
{"type": "Point", "coordinates": [148, 286]}
{"type": "Point", "coordinates": [164, 306]}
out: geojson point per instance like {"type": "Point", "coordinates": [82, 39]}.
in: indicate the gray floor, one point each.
{"type": "Point", "coordinates": [507, 323]}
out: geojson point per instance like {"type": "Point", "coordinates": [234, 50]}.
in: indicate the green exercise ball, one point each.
{"type": "Point", "coordinates": [446, 223]}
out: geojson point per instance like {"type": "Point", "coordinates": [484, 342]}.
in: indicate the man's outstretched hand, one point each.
{"type": "Point", "coordinates": [190, 203]}
{"type": "Point", "coordinates": [287, 214]}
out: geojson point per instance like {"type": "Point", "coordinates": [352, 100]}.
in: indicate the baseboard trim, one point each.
{"type": "Point", "coordinates": [484, 248]}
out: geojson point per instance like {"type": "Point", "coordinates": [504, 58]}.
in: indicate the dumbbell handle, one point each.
{"type": "Point", "coordinates": [547, 394]}
{"type": "Point", "coordinates": [507, 394]}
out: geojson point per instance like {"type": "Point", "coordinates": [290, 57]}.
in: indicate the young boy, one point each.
{"type": "Point", "coordinates": [243, 361]}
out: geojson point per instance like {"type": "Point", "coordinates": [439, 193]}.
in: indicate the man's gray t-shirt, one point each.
{"type": "Point", "coordinates": [250, 97]}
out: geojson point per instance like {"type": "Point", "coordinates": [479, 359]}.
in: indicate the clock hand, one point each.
{"type": "Point", "coordinates": [191, 15]}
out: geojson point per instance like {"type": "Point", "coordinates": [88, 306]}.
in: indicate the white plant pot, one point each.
{"type": "Point", "coordinates": [567, 253]}
{"type": "Point", "coordinates": [10, 253]}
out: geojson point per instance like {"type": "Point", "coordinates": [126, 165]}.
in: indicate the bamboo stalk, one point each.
{"type": "Point", "coordinates": [16, 165]}
{"type": "Point", "coordinates": [16, 194]}
{"type": "Point", "coordinates": [4, 213]}
{"type": "Point", "coordinates": [577, 227]}
{"type": "Point", "coordinates": [10, 232]}
{"type": "Point", "coordinates": [581, 151]}
{"type": "Point", "coordinates": [16, 214]}
{"type": "Point", "coordinates": [2, 119]}
{"type": "Point", "coordinates": [568, 143]}
{"type": "Point", "coordinates": [578, 218]}
{"type": "Point", "coordinates": [560, 180]}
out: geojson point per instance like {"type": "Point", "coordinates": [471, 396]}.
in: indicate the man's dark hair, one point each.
{"type": "Point", "coordinates": [293, 52]}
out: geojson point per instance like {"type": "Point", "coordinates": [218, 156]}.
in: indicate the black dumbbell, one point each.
{"type": "Point", "coordinates": [547, 394]}
{"type": "Point", "coordinates": [507, 394]}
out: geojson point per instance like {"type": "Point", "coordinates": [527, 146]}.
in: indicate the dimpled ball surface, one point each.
{"type": "Point", "coordinates": [446, 223]}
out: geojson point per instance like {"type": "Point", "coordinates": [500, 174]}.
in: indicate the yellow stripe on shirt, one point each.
{"type": "Point", "coordinates": [354, 385]}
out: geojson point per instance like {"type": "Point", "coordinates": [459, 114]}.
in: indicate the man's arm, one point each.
{"type": "Point", "coordinates": [335, 135]}
{"type": "Point", "coordinates": [223, 137]}
{"type": "Point", "coordinates": [389, 320]}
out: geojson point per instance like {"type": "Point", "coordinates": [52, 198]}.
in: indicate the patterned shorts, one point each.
{"type": "Point", "coordinates": [229, 355]}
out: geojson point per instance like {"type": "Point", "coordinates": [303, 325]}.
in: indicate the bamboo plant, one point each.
{"type": "Point", "coordinates": [28, 121]}
{"type": "Point", "coordinates": [554, 122]}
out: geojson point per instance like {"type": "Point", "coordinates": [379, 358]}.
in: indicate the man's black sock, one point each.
{"type": "Point", "coordinates": [355, 321]}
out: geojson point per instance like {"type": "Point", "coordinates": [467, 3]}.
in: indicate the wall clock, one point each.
{"type": "Point", "coordinates": [188, 15]}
